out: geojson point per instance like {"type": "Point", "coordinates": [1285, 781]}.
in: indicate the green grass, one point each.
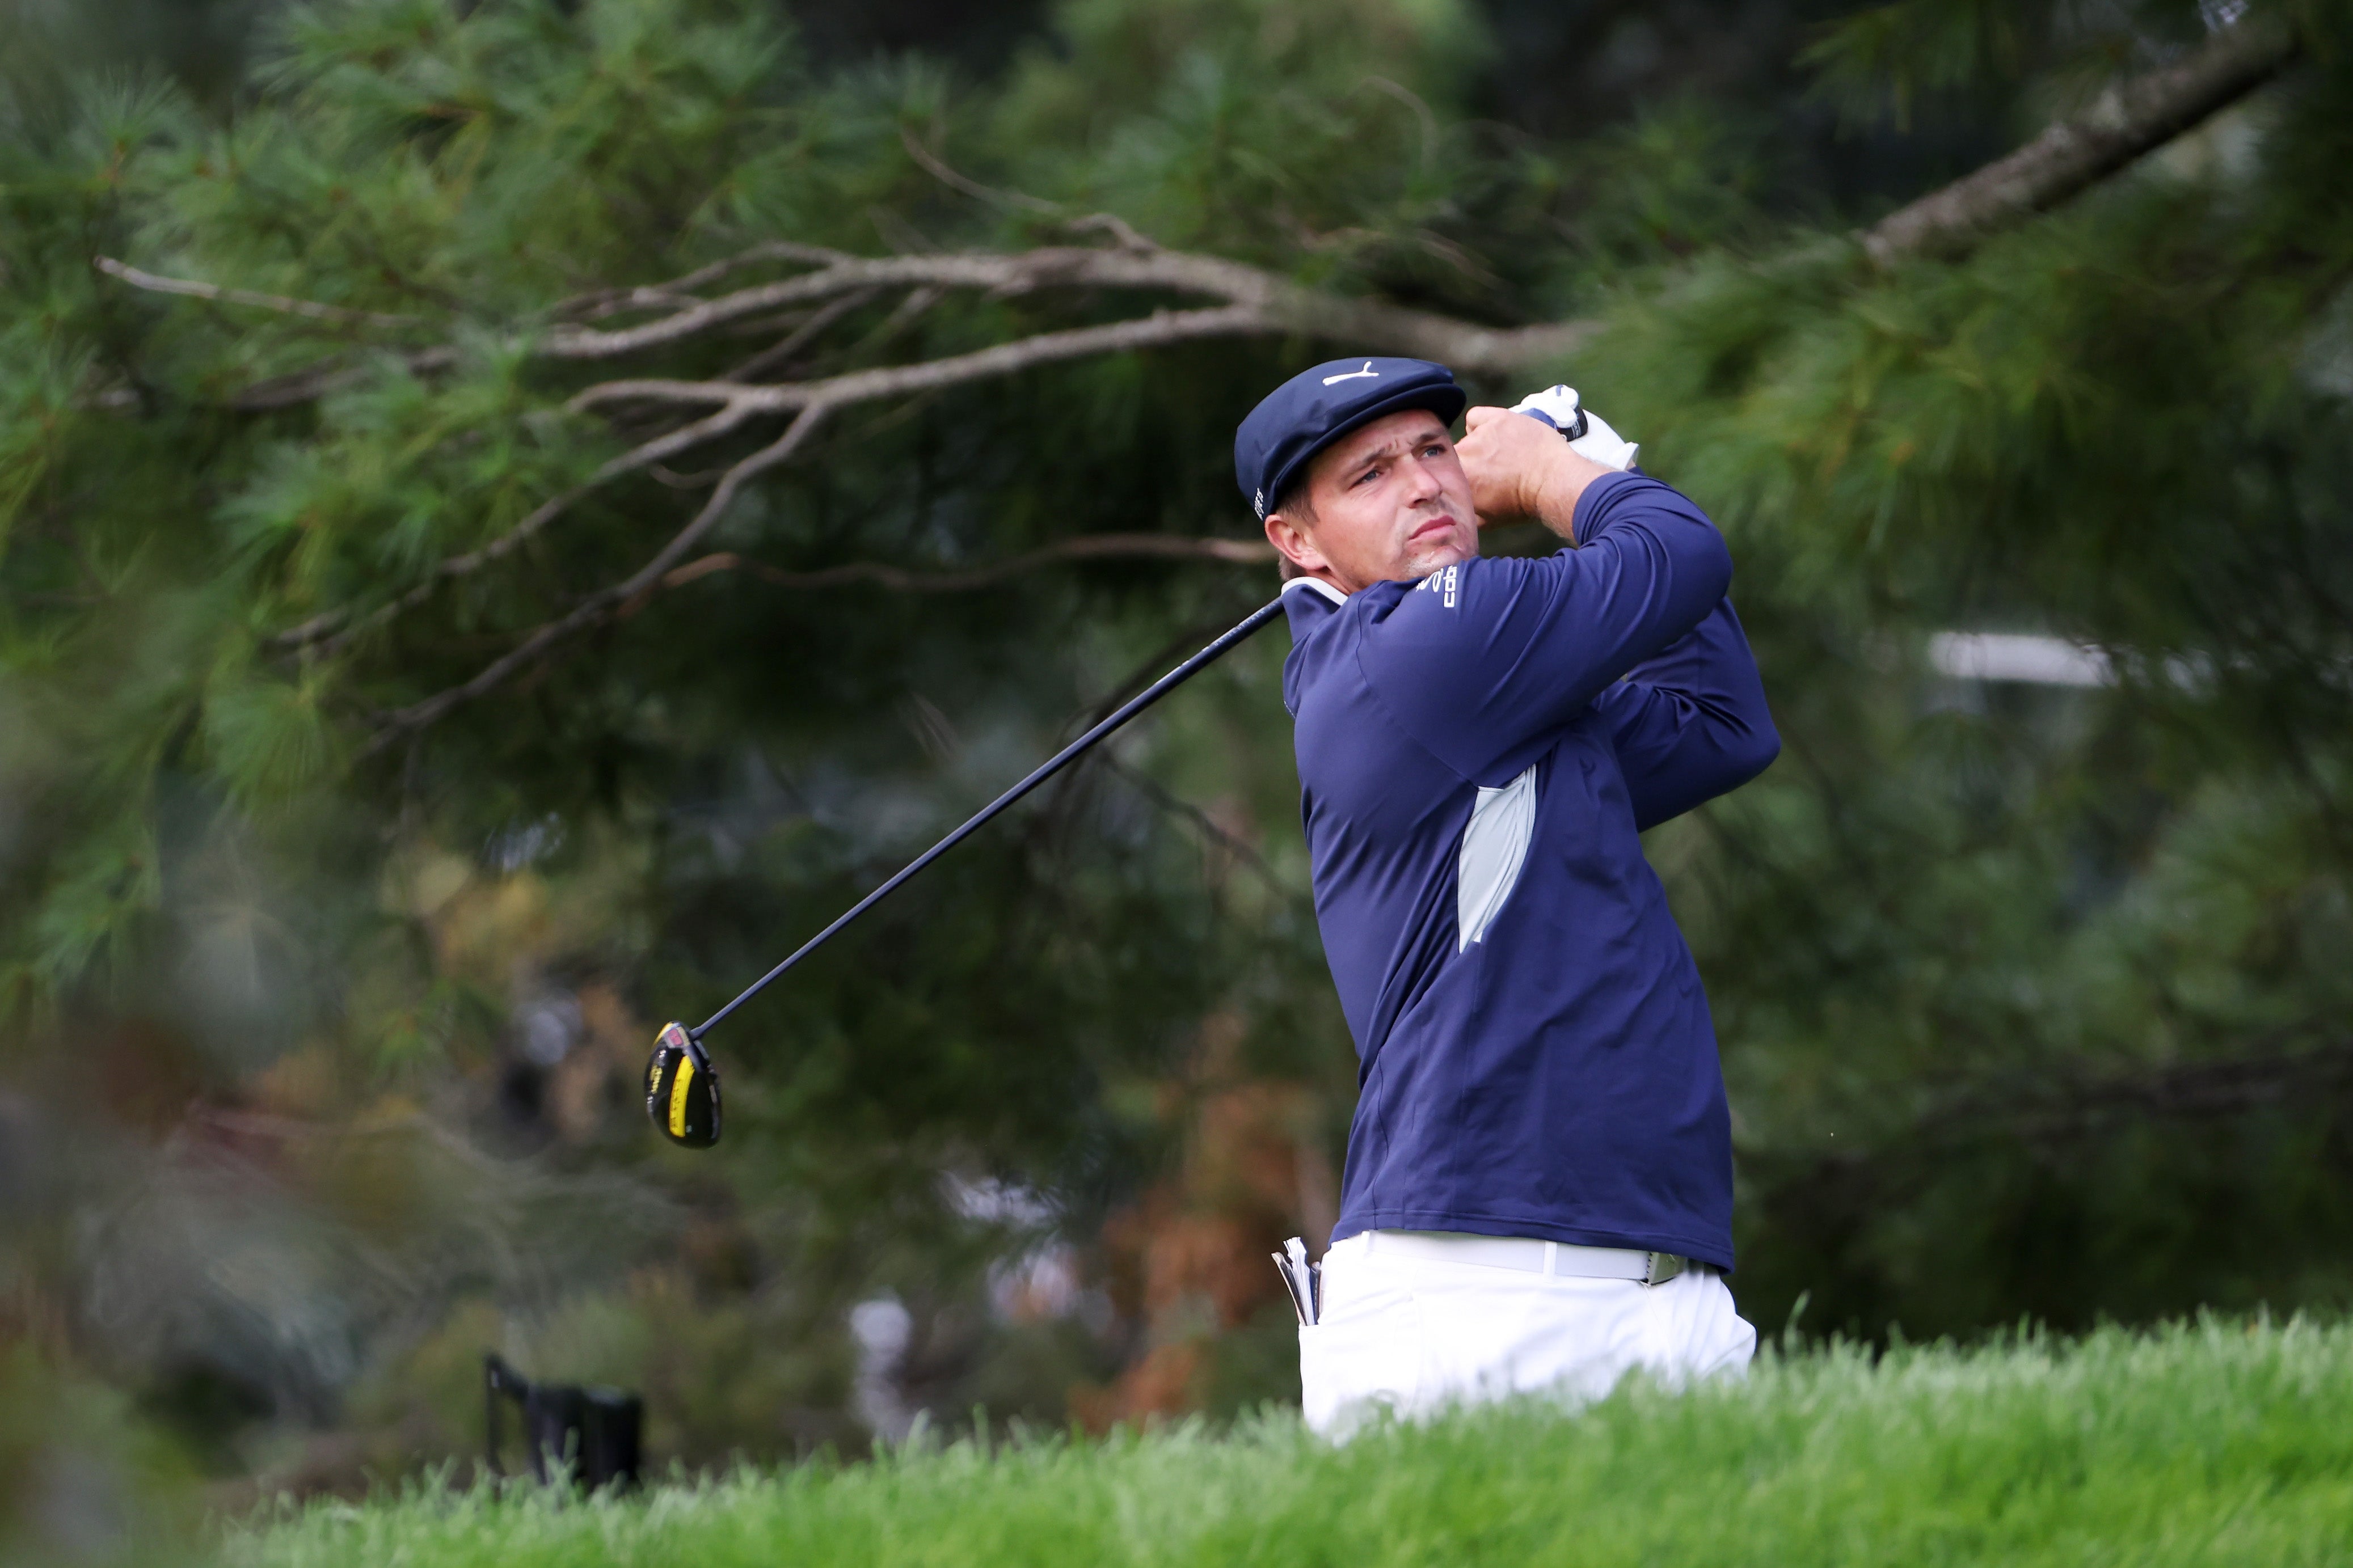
{"type": "Point", "coordinates": [2220, 1443]}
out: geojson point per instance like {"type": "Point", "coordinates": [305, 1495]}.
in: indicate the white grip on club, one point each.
{"type": "Point", "coordinates": [1558, 406]}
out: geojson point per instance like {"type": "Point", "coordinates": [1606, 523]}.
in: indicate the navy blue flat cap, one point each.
{"type": "Point", "coordinates": [1316, 407]}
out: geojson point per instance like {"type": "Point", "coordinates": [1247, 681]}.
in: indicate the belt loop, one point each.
{"type": "Point", "coordinates": [1552, 1256]}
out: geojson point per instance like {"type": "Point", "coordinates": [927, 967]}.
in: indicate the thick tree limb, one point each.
{"type": "Point", "coordinates": [2135, 118]}
{"type": "Point", "coordinates": [1263, 303]}
{"type": "Point", "coordinates": [1267, 304]}
{"type": "Point", "coordinates": [1158, 329]}
{"type": "Point", "coordinates": [1257, 303]}
{"type": "Point", "coordinates": [1086, 547]}
{"type": "Point", "coordinates": [603, 603]}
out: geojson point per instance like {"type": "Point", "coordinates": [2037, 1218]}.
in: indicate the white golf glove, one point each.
{"type": "Point", "coordinates": [1590, 435]}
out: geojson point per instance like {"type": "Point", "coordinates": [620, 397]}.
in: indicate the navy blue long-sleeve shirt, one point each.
{"type": "Point", "coordinates": [1477, 754]}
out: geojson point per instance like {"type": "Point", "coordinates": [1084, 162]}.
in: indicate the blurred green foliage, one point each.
{"type": "Point", "coordinates": [320, 1058]}
{"type": "Point", "coordinates": [86, 1482]}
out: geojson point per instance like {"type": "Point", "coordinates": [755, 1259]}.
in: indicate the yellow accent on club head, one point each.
{"type": "Point", "coordinates": [678, 1095]}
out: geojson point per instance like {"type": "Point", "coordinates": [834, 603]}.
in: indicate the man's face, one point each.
{"type": "Point", "coordinates": [1387, 503]}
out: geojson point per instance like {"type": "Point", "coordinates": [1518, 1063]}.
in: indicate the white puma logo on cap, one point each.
{"type": "Point", "coordinates": [1352, 375]}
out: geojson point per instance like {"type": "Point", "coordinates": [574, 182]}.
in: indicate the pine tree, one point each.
{"type": "Point", "coordinates": [540, 505]}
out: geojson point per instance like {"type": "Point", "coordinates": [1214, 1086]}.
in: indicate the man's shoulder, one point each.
{"type": "Point", "coordinates": [1454, 603]}
{"type": "Point", "coordinates": [1448, 585]}
{"type": "Point", "coordinates": [1327, 630]}
{"type": "Point", "coordinates": [1328, 627]}
{"type": "Point", "coordinates": [1317, 612]}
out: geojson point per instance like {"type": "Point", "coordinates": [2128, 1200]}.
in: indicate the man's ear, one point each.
{"type": "Point", "coordinates": [1290, 542]}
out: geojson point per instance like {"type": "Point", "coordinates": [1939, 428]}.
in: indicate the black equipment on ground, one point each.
{"type": "Point", "coordinates": [590, 1434]}
{"type": "Point", "coordinates": [681, 1084]}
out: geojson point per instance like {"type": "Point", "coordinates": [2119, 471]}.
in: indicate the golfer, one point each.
{"type": "Point", "coordinates": [1538, 1190]}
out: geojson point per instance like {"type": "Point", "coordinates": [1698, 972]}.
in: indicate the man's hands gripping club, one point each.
{"type": "Point", "coordinates": [1400, 499]}
{"type": "Point", "coordinates": [1520, 468]}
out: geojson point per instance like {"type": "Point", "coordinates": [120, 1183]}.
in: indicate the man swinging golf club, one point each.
{"type": "Point", "coordinates": [1538, 1189]}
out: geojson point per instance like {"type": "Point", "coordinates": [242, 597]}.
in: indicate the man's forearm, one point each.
{"type": "Point", "coordinates": [1568, 477]}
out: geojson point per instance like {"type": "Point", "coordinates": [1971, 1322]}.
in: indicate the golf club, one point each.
{"type": "Point", "coordinates": [682, 1085]}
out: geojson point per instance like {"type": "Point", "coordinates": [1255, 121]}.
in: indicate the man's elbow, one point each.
{"type": "Point", "coordinates": [1758, 746]}
{"type": "Point", "coordinates": [1709, 563]}
{"type": "Point", "coordinates": [1739, 753]}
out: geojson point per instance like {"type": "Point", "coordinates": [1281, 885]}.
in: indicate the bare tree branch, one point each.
{"type": "Point", "coordinates": [1259, 304]}
{"type": "Point", "coordinates": [1160, 328]}
{"type": "Point", "coordinates": [608, 601]}
{"type": "Point", "coordinates": [2073, 153]}
{"type": "Point", "coordinates": [1275, 304]}
{"type": "Point", "coordinates": [679, 292]}
{"type": "Point", "coordinates": [905, 314]}
{"type": "Point", "coordinates": [781, 351]}
{"type": "Point", "coordinates": [740, 400]}
{"type": "Point", "coordinates": [1086, 547]}
{"type": "Point", "coordinates": [1121, 232]}
{"type": "Point", "coordinates": [771, 250]}
{"type": "Point", "coordinates": [309, 310]}
{"type": "Point", "coordinates": [938, 167]}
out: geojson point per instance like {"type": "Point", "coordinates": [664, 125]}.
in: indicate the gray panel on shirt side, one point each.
{"type": "Point", "coordinates": [1494, 849]}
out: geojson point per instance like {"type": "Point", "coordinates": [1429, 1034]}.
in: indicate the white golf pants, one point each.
{"type": "Point", "coordinates": [1415, 1335]}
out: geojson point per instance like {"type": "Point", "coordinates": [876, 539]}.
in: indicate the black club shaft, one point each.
{"type": "Point", "coordinates": [1052, 766]}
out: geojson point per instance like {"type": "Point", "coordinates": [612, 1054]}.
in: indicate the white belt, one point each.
{"type": "Point", "coordinates": [1559, 1258]}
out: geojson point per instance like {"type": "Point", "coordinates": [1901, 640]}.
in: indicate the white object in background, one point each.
{"type": "Point", "coordinates": [1559, 408]}
{"type": "Point", "coordinates": [883, 1329]}
{"type": "Point", "coordinates": [2020, 657]}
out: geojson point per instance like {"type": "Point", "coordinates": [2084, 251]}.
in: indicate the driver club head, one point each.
{"type": "Point", "coordinates": [683, 1089]}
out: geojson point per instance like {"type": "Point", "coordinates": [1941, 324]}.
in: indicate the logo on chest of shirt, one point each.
{"type": "Point", "coordinates": [1443, 584]}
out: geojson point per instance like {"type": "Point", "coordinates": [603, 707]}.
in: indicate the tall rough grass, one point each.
{"type": "Point", "coordinates": [2213, 1443]}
